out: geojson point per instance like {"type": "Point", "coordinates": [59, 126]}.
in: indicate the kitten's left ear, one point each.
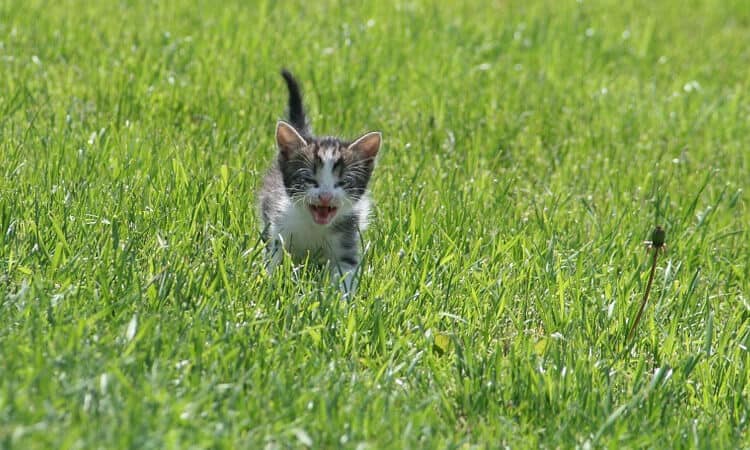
{"type": "Point", "coordinates": [368, 145]}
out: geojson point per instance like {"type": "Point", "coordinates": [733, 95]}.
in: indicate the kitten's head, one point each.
{"type": "Point", "coordinates": [326, 176]}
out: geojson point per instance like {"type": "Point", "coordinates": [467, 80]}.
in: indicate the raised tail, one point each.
{"type": "Point", "coordinates": [297, 116]}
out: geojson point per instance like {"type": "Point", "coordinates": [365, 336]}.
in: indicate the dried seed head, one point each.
{"type": "Point", "coordinates": [658, 237]}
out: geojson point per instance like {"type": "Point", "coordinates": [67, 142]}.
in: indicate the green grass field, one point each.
{"type": "Point", "coordinates": [530, 148]}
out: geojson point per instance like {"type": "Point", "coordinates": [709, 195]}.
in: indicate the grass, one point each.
{"type": "Point", "coordinates": [530, 148]}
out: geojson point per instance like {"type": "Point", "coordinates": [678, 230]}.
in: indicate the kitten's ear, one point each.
{"type": "Point", "coordinates": [287, 139]}
{"type": "Point", "coordinates": [368, 145]}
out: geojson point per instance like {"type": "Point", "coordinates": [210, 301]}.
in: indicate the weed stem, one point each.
{"type": "Point", "coordinates": [656, 244]}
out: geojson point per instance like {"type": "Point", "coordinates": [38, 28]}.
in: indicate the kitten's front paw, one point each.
{"type": "Point", "coordinates": [273, 257]}
{"type": "Point", "coordinates": [347, 282]}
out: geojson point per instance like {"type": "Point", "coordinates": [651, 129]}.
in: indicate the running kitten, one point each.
{"type": "Point", "coordinates": [314, 201]}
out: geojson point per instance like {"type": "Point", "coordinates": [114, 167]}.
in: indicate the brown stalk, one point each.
{"type": "Point", "coordinates": [657, 244]}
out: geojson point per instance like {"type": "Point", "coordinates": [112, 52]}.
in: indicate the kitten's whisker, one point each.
{"type": "Point", "coordinates": [299, 200]}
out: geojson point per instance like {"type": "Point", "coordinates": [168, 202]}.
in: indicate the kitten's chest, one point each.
{"type": "Point", "coordinates": [302, 239]}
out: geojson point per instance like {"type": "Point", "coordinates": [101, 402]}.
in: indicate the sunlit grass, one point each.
{"type": "Point", "coordinates": [530, 148]}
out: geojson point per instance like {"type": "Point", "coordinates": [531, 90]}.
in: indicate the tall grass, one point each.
{"type": "Point", "coordinates": [530, 147]}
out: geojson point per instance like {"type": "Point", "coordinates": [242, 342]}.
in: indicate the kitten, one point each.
{"type": "Point", "coordinates": [314, 201]}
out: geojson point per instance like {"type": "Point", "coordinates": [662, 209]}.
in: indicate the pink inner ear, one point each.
{"type": "Point", "coordinates": [287, 139]}
{"type": "Point", "coordinates": [368, 145]}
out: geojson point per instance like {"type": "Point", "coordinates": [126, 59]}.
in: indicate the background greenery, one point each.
{"type": "Point", "coordinates": [530, 147]}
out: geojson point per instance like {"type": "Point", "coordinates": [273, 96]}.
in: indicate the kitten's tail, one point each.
{"type": "Point", "coordinates": [297, 116]}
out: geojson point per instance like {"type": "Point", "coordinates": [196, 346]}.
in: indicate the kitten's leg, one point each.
{"type": "Point", "coordinates": [345, 256]}
{"type": "Point", "coordinates": [274, 253]}
{"type": "Point", "coordinates": [345, 273]}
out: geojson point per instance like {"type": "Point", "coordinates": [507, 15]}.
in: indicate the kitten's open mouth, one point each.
{"type": "Point", "coordinates": [322, 215]}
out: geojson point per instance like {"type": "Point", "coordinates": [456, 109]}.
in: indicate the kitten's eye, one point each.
{"type": "Point", "coordinates": [311, 181]}
{"type": "Point", "coordinates": [340, 184]}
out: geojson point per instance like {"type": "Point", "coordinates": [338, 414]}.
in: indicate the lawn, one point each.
{"type": "Point", "coordinates": [530, 147]}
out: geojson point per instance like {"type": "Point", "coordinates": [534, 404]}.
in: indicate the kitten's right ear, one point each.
{"type": "Point", "coordinates": [368, 145]}
{"type": "Point", "coordinates": [288, 139]}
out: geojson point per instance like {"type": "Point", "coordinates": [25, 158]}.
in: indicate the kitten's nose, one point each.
{"type": "Point", "coordinates": [325, 199]}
